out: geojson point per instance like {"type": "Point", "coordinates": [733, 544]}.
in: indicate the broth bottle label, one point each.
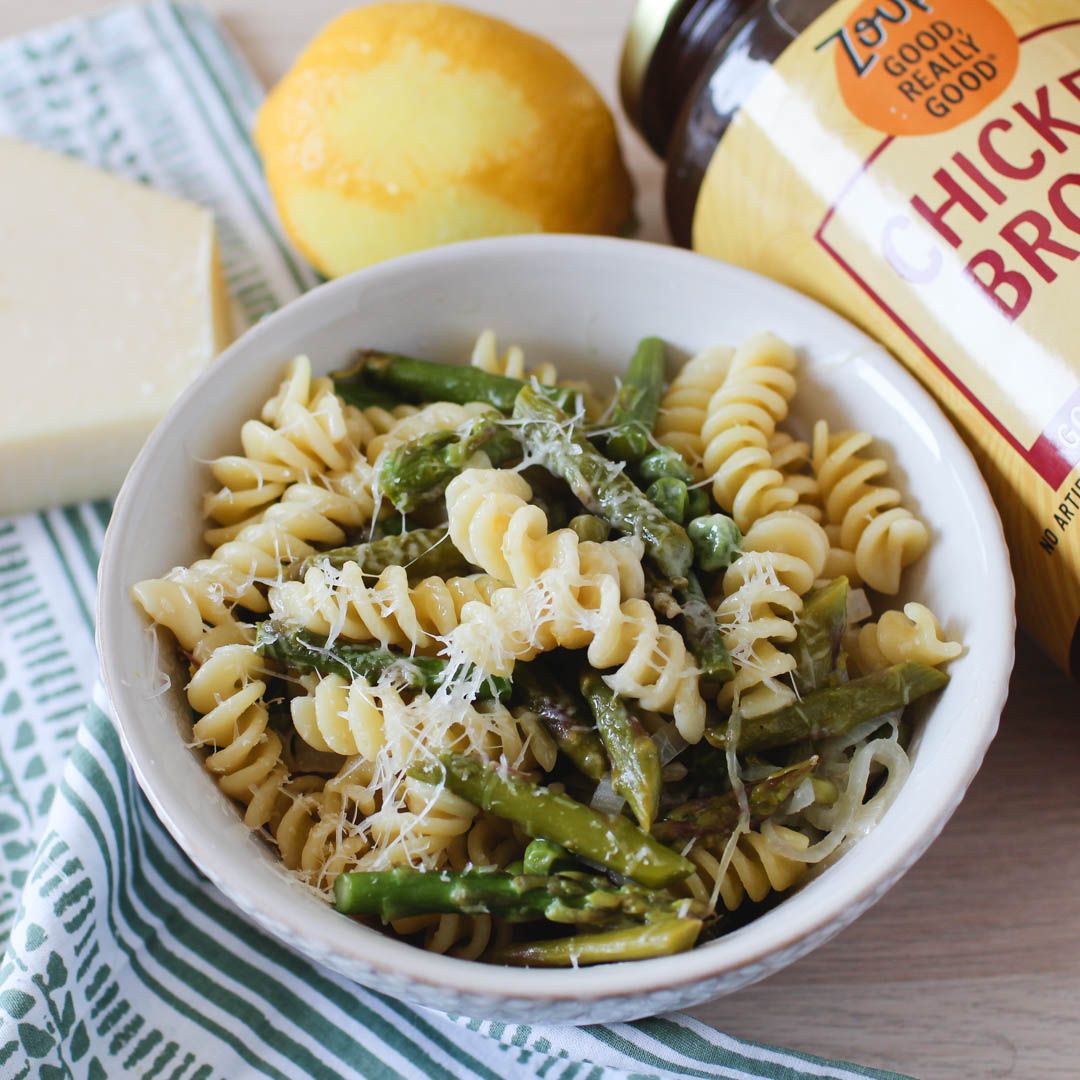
{"type": "Point", "coordinates": [915, 164]}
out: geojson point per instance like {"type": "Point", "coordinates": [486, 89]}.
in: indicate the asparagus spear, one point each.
{"type": "Point", "coordinates": [612, 842]}
{"type": "Point", "coordinates": [637, 402]}
{"type": "Point", "coordinates": [571, 898]}
{"type": "Point", "coordinates": [603, 488]}
{"type": "Point", "coordinates": [663, 937]}
{"type": "Point", "coordinates": [832, 710]}
{"type": "Point", "coordinates": [538, 687]}
{"type": "Point", "coordinates": [364, 397]}
{"type": "Point", "coordinates": [423, 553]}
{"type": "Point", "coordinates": [717, 815]}
{"type": "Point", "coordinates": [669, 492]}
{"type": "Point", "coordinates": [302, 651]}
{"type": "Point", "coordinates": [418, 471]}
{"type": "Point", "coordinates": [394, 525]}
{"type": "Point", "coordinates": [589, 527]}
{"type": "Point", "coordinates": [698, 624]}
{"type": "Point", "coordinates": [703, 633]}
{"type": "Point", "coordinates": [822, 623]}
{"type": "Point", "coordinates": [552, 496]}
{"type": "Point", "coordinates": [635, 762]}
{"type": "Point", "coordinates": [716, 539]}
{"type": "Point", "coordinates": [544, 857]}
{"type": "Point", "coordinates": [425, 380]}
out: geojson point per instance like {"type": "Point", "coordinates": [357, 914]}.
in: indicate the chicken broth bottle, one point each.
{"type": "Point", "coordinates": [914, 164]}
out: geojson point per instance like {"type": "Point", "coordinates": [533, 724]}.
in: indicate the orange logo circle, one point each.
{"type": "Point", "coordinates": [917, 67]}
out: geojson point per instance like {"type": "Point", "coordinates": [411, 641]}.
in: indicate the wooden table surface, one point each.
{"type": "Point", "coordinates": [970, 968]}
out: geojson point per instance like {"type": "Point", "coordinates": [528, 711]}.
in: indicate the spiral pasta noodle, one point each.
{"type": "Point", "coordinates": [684, 406]}
{"type": "Point", "coordinates": [899, 637]}
{"type": "Point", "coordinates": [245, 753]}
{"type": "Point", "coordinates": [568, 593]}
{"type": "Point", "coordinates": [755, 869]}
{"type": "Point", "coordinates": [791, 457]}
{"type": "Point", "coordinates": [378, 420]}
{"type": "Point", "coordinates": [511, 363]}
{"type": "Point", "coordinates": [883, 536]}
{"type": "Point", "coordinates": [347, 716]}
{"type": "Point", "coordinates": [245, 758]}
{"type": "Point", "coordinates": [741, 418]}
{"type": "Point", "coordinates": [196, 602]}
{"type": "Point", "coordinates": [305, 432]}
{"type": "Point", "coordinates": [310, 835]}
{"type": "Point", "coordinates": [467, 937]}
{"type": "Point", "coordinates": [442, 416]}
{"type": "Point", "coordinates": [339, 716]}
{"type": "Point", "coordinates": [299, 393]}
{"type": "Point", "coordinates": [782, 556]}
{"type": "Point", "coordinates": [389, 610]}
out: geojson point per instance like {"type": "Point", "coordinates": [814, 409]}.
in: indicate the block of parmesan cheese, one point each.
{"type": "Point", "coordinates": [111, 301]}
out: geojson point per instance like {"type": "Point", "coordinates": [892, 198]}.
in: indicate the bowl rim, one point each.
{"type": "Point", "coordinates": [880, 866]}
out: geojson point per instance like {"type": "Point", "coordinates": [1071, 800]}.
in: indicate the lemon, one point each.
{"type": "Point", "coordinates": [404, 126]}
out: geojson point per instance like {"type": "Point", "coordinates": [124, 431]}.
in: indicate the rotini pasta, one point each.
{"type": "Point", "coordinates": [741, 418]}
{"type": "Point", "coordinates": [245, 756]}
{"type": "Point", "coordinates": [389, 611]}
{"type": "Point", "coordinates": [468, 937]}
{"type": "Point", "coordinates": [792, 458]}
{"type": "Point", "coordinates": [883, 536]}
{"type": "Point", "coordinates": [196, 600]}
{"type": "Point", "coordinates": [347, 713]}
{"type": "Point", "coordinates": [485, 356]}
{"type": "Point", "coordinates": [305, 433]}
{"type": "Point", "coordinates": [339, 716]}
{"type": "Point", "coordinates": [896, 638]}
{"type": "Point", "coordinates": [685, 405]}
{"type": "Point", "coordinates": [754, 870]}
{"type": "Point", "coordinates": [348, 717]}
{"type": "Point", "coordinates": [782, 556]}
{"type": "Point", "coordinates": [442, 416]}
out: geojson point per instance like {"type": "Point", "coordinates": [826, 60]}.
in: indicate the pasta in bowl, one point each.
{"type": "Point", "coordinates": [545, 673]}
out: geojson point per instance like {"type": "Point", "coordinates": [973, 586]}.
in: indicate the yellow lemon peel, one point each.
{"type": "Point", "coordinates": [402, 126]}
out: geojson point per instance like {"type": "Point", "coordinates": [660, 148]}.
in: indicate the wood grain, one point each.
{"type": "Point", "coordinates": [970, 968]}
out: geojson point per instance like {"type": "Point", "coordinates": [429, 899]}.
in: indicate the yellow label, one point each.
{"type": "Point", "coordinates": [915, 164]}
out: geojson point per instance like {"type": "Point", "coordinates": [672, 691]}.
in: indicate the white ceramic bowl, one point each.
{"type": "Point", "coordinates": [583, 303]}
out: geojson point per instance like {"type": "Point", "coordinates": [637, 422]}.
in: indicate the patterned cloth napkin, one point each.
{"type": "Point", "coordinates": [118, 958]}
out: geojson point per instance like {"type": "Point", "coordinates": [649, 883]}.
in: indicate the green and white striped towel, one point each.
{"type": "Point", "coordinates": [118, 958]}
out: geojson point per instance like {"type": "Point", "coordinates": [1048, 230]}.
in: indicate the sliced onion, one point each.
{"type": "Point", "coordinates": [801, 797]}
{"type": "Point", "coordinates": [858, 607]}
{"type": "Point", "coordinates": [850, 817]}
{"type": "Point", "coordinates": [669, 743]}
{"type": "Point", "coordinates": [840, 744]}
{"type": "Point", "coordinates": [606, 800]}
